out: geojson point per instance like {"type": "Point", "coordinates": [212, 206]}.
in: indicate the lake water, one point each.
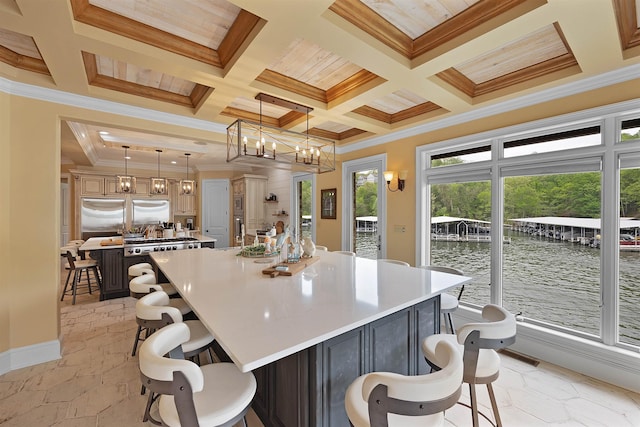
{"type": "Point", "coordinates": [546, 280]}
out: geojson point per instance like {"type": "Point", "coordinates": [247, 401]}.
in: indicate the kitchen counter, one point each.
{"type": "Point", "coordinates": [114, 265]}
{"type": "Point", "coordinates": [94, 243]}
{"type": "Point", "coordinates": [307, 336]}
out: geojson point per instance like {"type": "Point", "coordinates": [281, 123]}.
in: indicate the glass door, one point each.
{"type": "Point", "coordinates": [364, 200]}
{"type": "Point", "coordinates": [302, 206]}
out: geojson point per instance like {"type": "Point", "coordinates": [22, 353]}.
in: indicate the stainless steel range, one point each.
{"type": "Point", "coordinates": [136, 247]}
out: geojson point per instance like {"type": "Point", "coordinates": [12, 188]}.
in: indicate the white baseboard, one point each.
{"type": "Point", "coordinates": [606, 363]}
{"type": "Point", "coordinates": [30, 355]}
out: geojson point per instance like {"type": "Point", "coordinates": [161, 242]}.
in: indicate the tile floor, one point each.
{"type": "Point", "coordinates": [96, 383]}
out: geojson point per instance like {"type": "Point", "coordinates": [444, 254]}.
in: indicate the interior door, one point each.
{"type": "Point", "coordinates": [364, 201]}
{"type": "Point", "coordinates": [303, 206]}
{"type": "Point", "coordinates": [215, 210]}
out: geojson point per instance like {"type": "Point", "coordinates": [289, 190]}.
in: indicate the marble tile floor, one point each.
{"type": "Point", "coordinates": [96, 383]}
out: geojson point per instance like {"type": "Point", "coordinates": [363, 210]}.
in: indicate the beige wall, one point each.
{"type": "Point", "coordinates": [29, 196]}
{"type": "Point", "coordinates": [5, 232]}
{"type": "Point", "coordinates": [32, 274]}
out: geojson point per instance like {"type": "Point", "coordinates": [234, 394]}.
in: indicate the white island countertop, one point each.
{"type": "Point", "coordinates": [95, 243]}
{"type": "Point", "coordinates": [257, 319]}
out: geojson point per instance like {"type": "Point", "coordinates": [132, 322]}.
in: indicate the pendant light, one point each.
{"type": "Point", "coordinates": [158, 185]}
{"type": "Point", "coordinates": [187, 186]}
{"type": "Point", "coordinates": [125, 183]}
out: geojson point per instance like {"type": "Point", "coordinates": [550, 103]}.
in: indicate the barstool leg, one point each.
{"type": "Point", "coordinates": [494, 405]}
{"type": "Point", "coordinates": [474, 405]}
{"type": "Point", "coordinates": [74, 287]}
{"type": "Point", "coordinates": [66, 284]}
{"type": "Point", "coordinates": [135, 341]}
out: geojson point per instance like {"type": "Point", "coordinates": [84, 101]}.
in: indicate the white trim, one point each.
{"type": "Point", "coordinates": [348, 168]}
{"type": "Point", "coordinates": [96, 104]}
{"type": "Point", "coordinates": [611, 364]}
{"type": "Point", "coordinates": [29, 355]}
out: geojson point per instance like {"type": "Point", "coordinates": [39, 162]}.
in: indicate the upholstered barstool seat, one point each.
{"type": "Point", "coordinates": [147, 316]}
{"type": "Point", "coordinates": [139, 269]}
{"type": "Point", "coordinates": [141, 285]}
{"type": "Point", "coordinates": [407, 401]}
{"type": "Point", "coordinates": [479, 342]}
{"type": "Point", "coordinates": [217, 394]}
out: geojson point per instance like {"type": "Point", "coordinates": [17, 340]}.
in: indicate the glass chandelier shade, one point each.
{"type": "Point", "coordinates": [159, 186]}
{"type": "Point", "coordinates": [125, 183]}
{"type": "Point", "coordinates": [187, 186]}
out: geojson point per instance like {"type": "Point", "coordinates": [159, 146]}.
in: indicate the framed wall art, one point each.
{"type": "Point", "coordinates": [328, 203]}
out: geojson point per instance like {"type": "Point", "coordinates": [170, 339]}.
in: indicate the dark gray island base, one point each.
{"type": "Point", "coordinates": [308, 387]}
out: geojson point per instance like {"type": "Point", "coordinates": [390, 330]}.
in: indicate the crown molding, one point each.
{"type": "Point", "coordinates": [590, 83]}
{"type": "Point", "coordinates": [111, 107]}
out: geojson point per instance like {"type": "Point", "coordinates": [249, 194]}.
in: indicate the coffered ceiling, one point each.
{"type": "Point", "coordinates": [368, 68]}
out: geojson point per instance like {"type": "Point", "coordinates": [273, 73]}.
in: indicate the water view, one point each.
{"type": "Point", "coordinates": [546, 280]}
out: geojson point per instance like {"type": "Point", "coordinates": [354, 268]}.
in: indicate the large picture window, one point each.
{"type": "Point", "coordinates": [563, 259]}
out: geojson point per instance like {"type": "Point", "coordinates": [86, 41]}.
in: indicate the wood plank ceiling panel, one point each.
{"type": "Point", "coordinates": [308, 63]}
{"type": "Point", "coordinates": [397, 101]}
{"type": "Point", "coordinates": [416, 18]}
{"type": "Point", "coordinates": [204, 22]}
{"type": "Point", "coordinates": [525, 52]}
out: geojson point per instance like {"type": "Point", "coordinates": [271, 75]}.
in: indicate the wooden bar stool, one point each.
{"type": "Point", "coordinates": [77, 267]}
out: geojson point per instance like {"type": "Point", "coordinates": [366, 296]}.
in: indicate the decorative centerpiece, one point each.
{"type": "Point", "coordinates": [258, 251]}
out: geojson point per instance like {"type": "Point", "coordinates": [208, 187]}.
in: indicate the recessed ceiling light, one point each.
{"type": "Point", "coordinates": [173, 162]}
{"type": "Point", "coordinates": [103, 132]}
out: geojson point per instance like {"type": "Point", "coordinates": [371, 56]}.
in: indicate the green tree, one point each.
{"type": "Point", "coordinates": [367, 199]}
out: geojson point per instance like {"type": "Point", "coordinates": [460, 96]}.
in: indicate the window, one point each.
{"type": "Point", "coordinates": [562, 258]}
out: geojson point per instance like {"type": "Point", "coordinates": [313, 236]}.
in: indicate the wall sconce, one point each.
{"type": "Point", "coordinates": [402, 175]}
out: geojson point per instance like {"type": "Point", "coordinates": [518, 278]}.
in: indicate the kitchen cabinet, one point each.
{"type": "Point", "coordinates": [100, 185]}
{"type": "Point", "coordinates": [181, 204]}
{"type": "Point", "coordinates": [252, 190]}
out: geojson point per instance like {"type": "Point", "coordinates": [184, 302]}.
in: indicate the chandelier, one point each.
{"type": "Point", "coordinates": [126, 183]}
{"type": "Point", "coordinates": [187, 186]}
{"type": "Point", "coordinates": [158, 185]}
{"type": "Point", "coordinates": [261, 145]}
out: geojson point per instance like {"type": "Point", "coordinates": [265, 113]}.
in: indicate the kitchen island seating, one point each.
{"type": "Point", "coordinates": [385, 399]}
{"type": "Point", "coordinates": [353, 254]}
{"type": "Point", "coordinates": [152, 313]}
{"type": "Point", "coordinates": [142, 284]}
{"type": "Point", "coordinates": [77, 267]}
{"type": "Point", "coordinates": [448, 303]}
{"type": "Point", "coordinates": [139, 269]}
{"type": "Point", "coordinates": [217, 394]}
{"type": "Point", "coordinates": [478, 343]}
{"type": "Point", "coordinates": [394, 261]}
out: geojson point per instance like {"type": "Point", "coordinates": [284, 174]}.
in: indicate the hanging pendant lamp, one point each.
{"type": "Point", "coordinates": [126, 183]}
{"type": "Point", "coordinates": [158, 185]}
{"type": "Point", "coordinates": [187, 186]}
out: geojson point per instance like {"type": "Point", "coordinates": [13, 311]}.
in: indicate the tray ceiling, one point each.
{"type": "Point", "coordinates": [366, 68]}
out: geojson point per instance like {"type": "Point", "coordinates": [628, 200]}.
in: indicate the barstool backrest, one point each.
{"type": "Point", "coordinates": [71, 260]}
{"type": "Point", "coordinates": [394, 261]}
{"type": "Point", "coordinates": [419, 395]}
{"type": "Point", "coordinates": [144, 284]}
{"type": "Point", "coordinates": [153, 305]}
{"type": "Point", "coordinates": [499, 331]}
{"type": "Point", "coordinates": [155, 366]}
{"type": "Point", "coordinates": [449, 270]}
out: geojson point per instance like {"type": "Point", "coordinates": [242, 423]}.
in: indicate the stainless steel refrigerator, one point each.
{"type": "Point", "coordinates": [102, 217]}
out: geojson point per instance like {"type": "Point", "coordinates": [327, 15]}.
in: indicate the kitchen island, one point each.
{"type": "Point", "coordinates": [306, 337]}
{"type": "Point", "coordinates": [114, 265]}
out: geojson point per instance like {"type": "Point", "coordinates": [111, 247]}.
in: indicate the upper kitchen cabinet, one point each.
{"type": "Point", "coordinates": [100, 185]}
{"type": "Point", "coordinates": [182, 204]}
{"type": "Point", "coordinates": [252, 190]}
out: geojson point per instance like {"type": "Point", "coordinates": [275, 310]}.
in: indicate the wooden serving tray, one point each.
{"type": "Point", "coordinates": [293, 267]}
